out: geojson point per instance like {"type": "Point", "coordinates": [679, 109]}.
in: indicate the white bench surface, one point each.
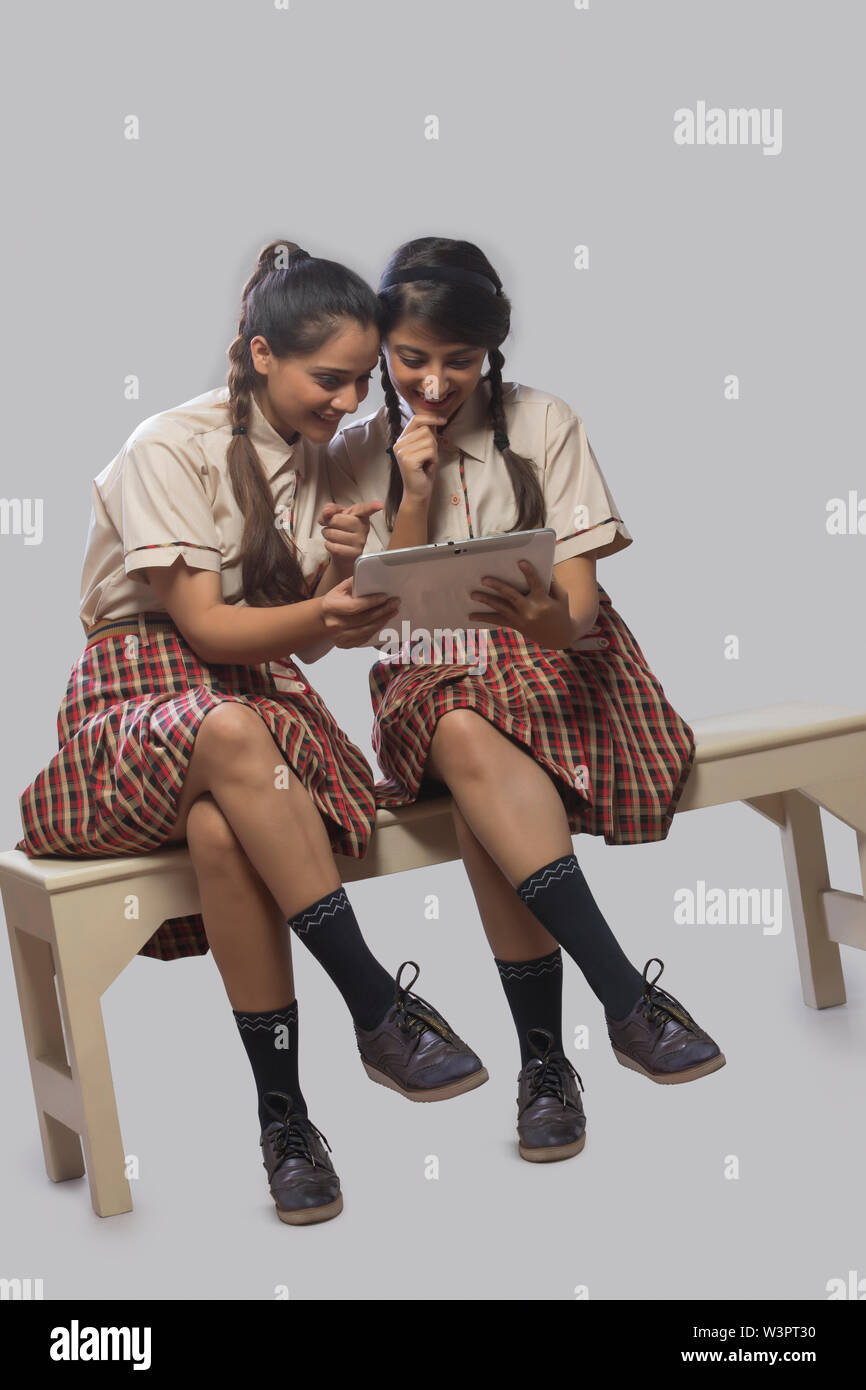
{"type": "Point", "coordinates": [717, 737]}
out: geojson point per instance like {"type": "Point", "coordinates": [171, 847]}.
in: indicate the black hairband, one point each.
{"type": "Point", "coordinates": [239, 429]}
{"type": "Point", "coordinates": [439, 272]}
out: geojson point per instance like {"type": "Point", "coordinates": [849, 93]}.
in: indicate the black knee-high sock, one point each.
{"type": "Point", "coordinates": [329, 929]}
{"type": "Point", "coordinates": [533, 989]}
{"type": "Point", "coordinates": [559, 896]}
{"type": "Point", "coordinates": [271, 1041]}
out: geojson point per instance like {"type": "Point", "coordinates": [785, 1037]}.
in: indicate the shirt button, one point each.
{"type": "Point", "coordinates": [455, 498]}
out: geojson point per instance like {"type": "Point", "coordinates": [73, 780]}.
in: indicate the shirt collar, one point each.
{"type": "Point", "coordinates": [274, 452]}
{"type": "Point", "coordinates": [470, 430]}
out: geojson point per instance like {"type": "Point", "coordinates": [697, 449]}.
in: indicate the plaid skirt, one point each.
{"type": "Point", "coordinates": [595, 717]}
{"type": "Point", "coordinates": [126, 730]}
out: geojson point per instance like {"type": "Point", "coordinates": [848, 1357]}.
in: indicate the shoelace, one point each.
{"type": "Point", "coordinates": [292, 1139]}
{"type": "Point", "coordinates": [414, 1014]}
{"type": "Point", "coordinates": [658, 1004]}
{"type": "Point", "coordinates": [550, 1078]}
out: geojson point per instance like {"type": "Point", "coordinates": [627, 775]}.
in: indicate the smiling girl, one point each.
{"type": "Point", "coordinates": [568, 729]}
{"type": "Point", "coordinates": [206, 558]}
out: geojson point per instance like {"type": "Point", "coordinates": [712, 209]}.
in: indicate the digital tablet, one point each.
{"type": "Point", "coordinates": [434, 582]}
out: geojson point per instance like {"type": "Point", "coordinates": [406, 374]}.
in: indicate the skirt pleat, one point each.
{"type": "Point", "coordinates": [126, 730]}
{"type": "Point", "coordinates": [596, 717]}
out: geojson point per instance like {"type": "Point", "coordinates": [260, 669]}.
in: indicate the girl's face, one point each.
{"type": "Point", "coordinates": [413, 355]}
{"type": "Point", "coordinates": [312, 394]}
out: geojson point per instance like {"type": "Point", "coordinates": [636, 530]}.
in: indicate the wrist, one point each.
{"type": "Point", "coordinates": [342, 569]}
{"type": "Point", "coordinates": [567, 636]}
{"type": "Point", "coordinates": [320, 617]}
{"type": "Point", "coordinates": [414, 506]}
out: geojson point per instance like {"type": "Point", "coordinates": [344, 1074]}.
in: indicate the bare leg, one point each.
{"type": "Point", "coordinates": [514, 810]}
{"type": "Point", "coordinates": [506, 799]}
{"type": "Point", "coordinates": [245, 928]}
{"type": "Point", "coordinates": [236, 760]}
{"type": "Point", "coordinates": [280, 830]}
{"type": "Point", "coordinates": [512, 931]}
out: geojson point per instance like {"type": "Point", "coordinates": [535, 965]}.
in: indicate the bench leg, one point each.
{"type": "Point", "coordinates": [70, 1069]}
{"type": "Point", "coordinates": [91, 1072]}
{"type": "Point", "coordinates": [43, 1035]}
{"type": "Point", "coordinates": [807, 876]}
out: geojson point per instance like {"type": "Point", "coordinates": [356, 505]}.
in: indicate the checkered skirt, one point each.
{"type": "Point", "coordinates": [596, 718]}
{"type": "Point", "coordinates": [126, 730]}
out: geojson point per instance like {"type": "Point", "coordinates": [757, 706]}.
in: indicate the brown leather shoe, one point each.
{"type": "Point", "coordinates": [550, 1119]}
{"type": "Point", "coordinates": [414, 1051]}
{"type": "Point", "coordinates": [660, 1039]}
{"type": "Point", "coordinates": [302, 1180]}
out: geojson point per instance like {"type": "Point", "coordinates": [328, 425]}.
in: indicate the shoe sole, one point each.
{"type": "Point", "coordinates": [454, 1088]}
{"type": "Point", "coordinates": [672, 1078]}
{"type": "Point", "coordinates": [309, 1216]}
{"type": "Point", "coordinates": [552, 1153]}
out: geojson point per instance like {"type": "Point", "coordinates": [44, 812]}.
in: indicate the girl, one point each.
{"type": "Point", "coordinates": [205, 560]}
{"type": "Point", "coordinates": [568, 729]}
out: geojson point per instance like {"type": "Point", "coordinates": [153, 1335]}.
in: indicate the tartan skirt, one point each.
{"type": "Point", "coordinates": [126, 730]}
{"type": "Point", "coordinates": [595, 717]}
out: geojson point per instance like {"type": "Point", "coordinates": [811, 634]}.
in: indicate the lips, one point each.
{"type": "Point", "coordinates": [421, 396]}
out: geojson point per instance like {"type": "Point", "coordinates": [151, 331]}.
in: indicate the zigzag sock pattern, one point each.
{"type": "Point", "coordinates": [560, 897]}
{"type": "Point", "coordinates": [530, 969]}
{"type": "Point", "coordinates": [255, 1023]}
{"type": "Point", "coordinates": [533, 989]}
{"type": "Point", "coordinates": [329, 930]}
{"type": "Point", "coordinates": [322, 910]}
{"type": "Point", "coordinates": [554, 872]}
{"type": "Point", "coordinates": [271, 1042]}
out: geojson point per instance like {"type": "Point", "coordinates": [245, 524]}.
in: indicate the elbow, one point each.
{"type": "Point", "coordinates": [585, 619]}
{"type": "Point", "coordinates": [203, 648]}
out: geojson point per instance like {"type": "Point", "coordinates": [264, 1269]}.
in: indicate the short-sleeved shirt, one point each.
{"type": "Point", "coordinates": [472, 492]}
{"type": "Point", "coordinates": [168, 493]}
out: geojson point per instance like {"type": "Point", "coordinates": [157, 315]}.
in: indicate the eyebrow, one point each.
{"type": "Point", "coordinates": [344, 371]}
{"type": "Point", "coordinates": [464, 347]}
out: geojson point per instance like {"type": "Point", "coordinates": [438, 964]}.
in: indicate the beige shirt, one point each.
{"type": "Point", "coordinates": [475, 497]}
{"type": "Point", "coordinates": [168, 493]}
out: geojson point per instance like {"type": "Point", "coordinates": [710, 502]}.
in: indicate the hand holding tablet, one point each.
{"type": "Point", "coordinates": [435, 583]}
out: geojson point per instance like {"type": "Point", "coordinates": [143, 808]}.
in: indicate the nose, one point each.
{"type": "Point", "coordinates": [441, 376]}
{"type": "Point", "coordinates": [347, 401]}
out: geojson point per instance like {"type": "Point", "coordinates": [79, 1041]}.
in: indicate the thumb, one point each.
{"type": "Point", "coordinates": [365, 508]}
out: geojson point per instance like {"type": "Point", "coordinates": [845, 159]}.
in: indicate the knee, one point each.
{"type": "Point", "coordinates": [209, 836]}
{"type": "Point", "coordinates": [229, 731]}
{"type": "Point", "coordinates": [459, 742]}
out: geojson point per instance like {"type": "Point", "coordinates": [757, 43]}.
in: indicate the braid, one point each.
{"type": "Point", "coordinates": [524, 478]}
{"type": "Point", "coordinates": [271, 574]}
{"type": "Point", "coordinates": [457, 312]}
{"type": "Point", "coordinates": [294, 302]}
{"type": "Point", "coordinates": [395, 429]}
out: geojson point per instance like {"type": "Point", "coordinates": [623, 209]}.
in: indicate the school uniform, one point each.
{"type": "Point", "coordinates": [595, 716]}
{"type": "Point", "coordinates": [138, 693]}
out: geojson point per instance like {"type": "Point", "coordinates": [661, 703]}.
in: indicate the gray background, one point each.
{"type": "Point", "coordinates": [556, 129]}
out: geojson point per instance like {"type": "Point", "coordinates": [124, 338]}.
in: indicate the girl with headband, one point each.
{"type": "Point", "coordinates": [214, 546]}
{"type": "Point", "coordinates": [567, 729]}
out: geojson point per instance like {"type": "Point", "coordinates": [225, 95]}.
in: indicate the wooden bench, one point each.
{"type": "Point", "coordinates": [66, 922]}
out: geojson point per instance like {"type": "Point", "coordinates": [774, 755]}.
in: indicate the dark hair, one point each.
{"type": "Point", "coordinates": [462, 313]}
{"type": "Point", "coordinates": [296, 301]}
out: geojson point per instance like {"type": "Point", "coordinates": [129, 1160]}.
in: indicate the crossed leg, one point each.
{"type": "Point", "coordinates": [260, 851]}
